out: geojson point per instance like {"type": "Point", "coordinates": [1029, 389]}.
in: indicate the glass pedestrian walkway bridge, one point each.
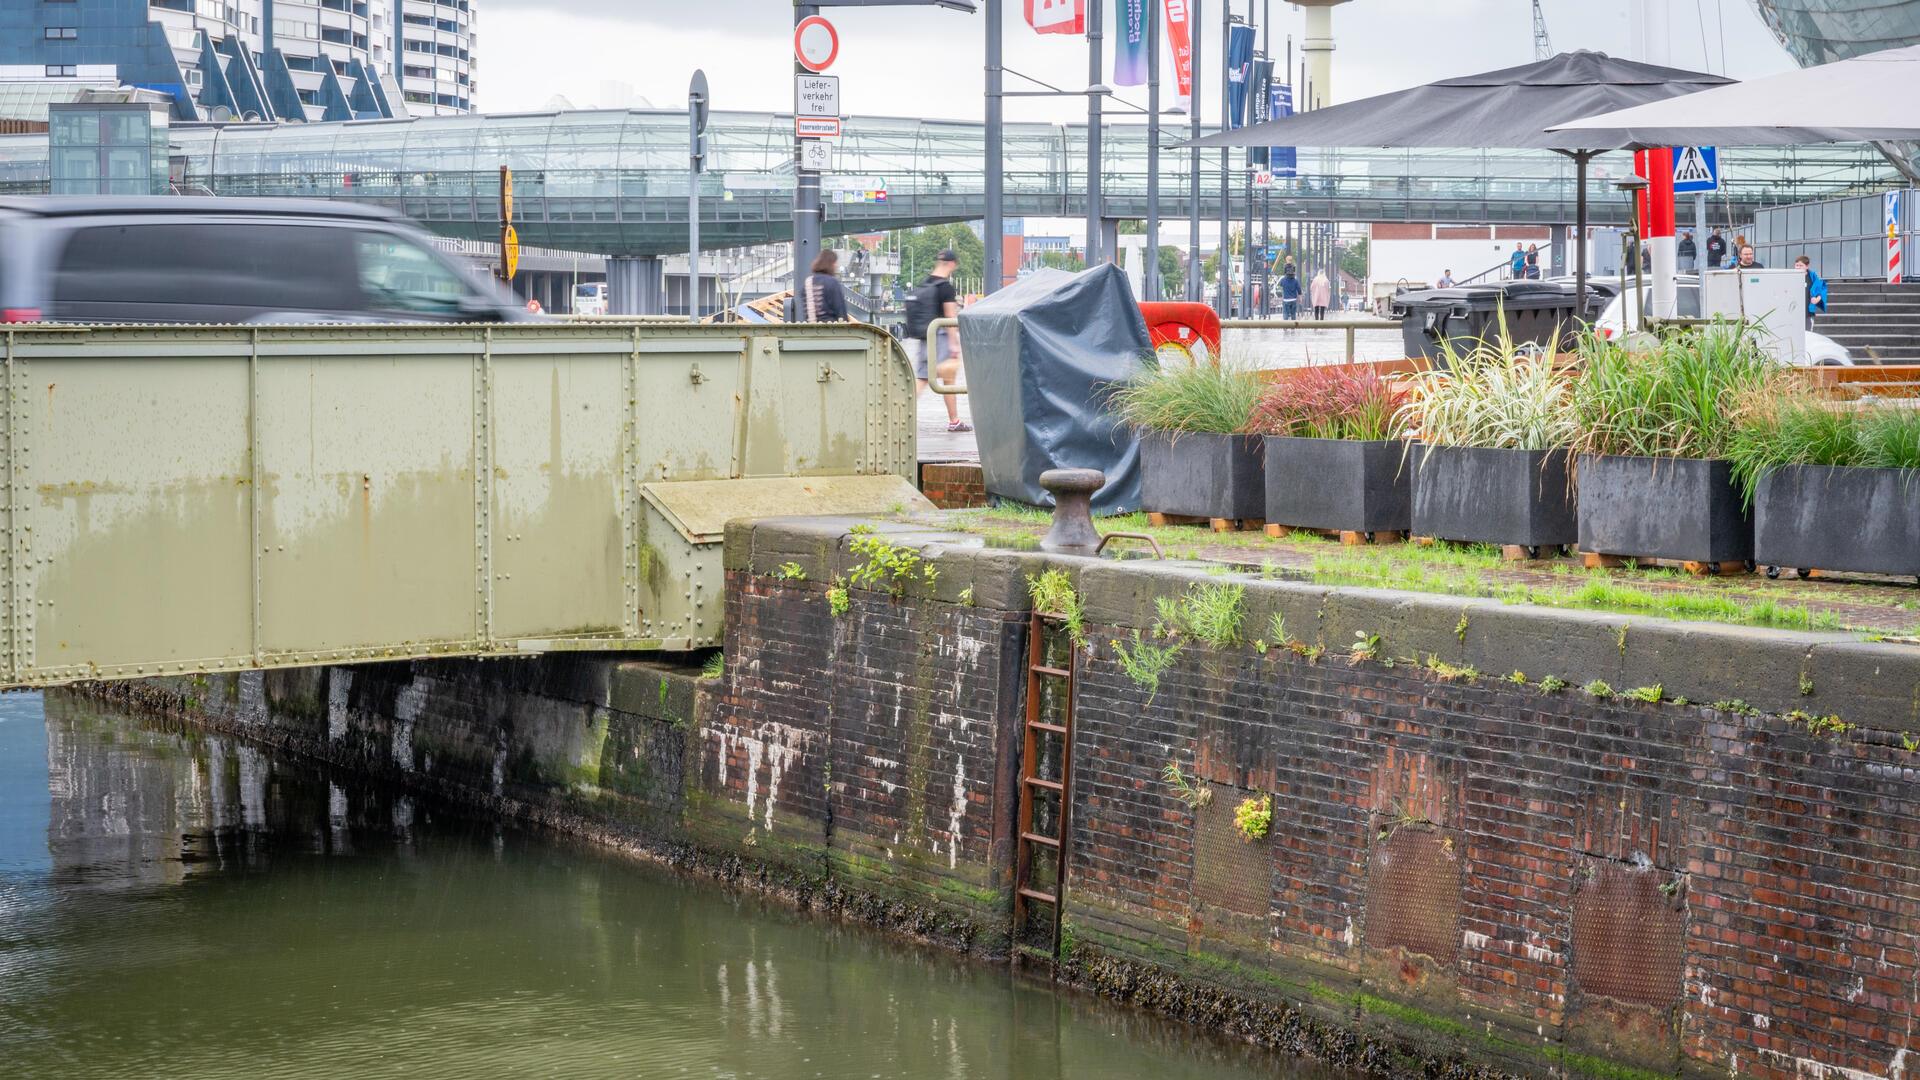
{"type": "Point", "coordinates": [614, 182]}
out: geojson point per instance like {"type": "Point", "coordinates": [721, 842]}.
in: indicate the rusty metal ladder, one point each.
{"type": "Point", "coordinates": [1033, 786]}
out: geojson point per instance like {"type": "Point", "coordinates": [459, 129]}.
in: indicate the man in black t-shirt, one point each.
{"type": "Point", "coordinates": [1716, 250]}
{"type": "Point", "coordinates": [936, 298]}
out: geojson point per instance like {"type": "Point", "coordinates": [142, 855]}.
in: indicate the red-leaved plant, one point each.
{"type": "Point", "coordinates": [1335, 401]}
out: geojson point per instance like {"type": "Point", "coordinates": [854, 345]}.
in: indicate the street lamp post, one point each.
{"type": "Point", "coordinates": [995, 246]}
{"type": "Point", "coordinates": [1150, 273]}
{"type": "Point", "coordinates": [1094, 79]}
{"type": "Point", "coordinates": [1224, 252]}
{"type": "Point", "coordinates": [1196, 289]}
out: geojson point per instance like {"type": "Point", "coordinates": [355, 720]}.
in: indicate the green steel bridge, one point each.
{"type": "Point", "coordinates": [293, 496]}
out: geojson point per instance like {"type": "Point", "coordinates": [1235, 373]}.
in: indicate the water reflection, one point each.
{"type": "Point", "coordinates": [176, 904]}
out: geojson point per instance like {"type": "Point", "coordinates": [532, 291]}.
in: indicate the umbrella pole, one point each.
{"type": "Point", "coordinates": [1580, 159]}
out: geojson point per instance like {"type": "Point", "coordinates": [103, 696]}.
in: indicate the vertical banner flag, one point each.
{"type": "Point", "coordinates": [1894, 269]}
{"type": "Point", "coordinates": [1180, 41]}
{"type": "Point", "coordinates": [1283, 160]}
{"type": "Point", "coordinates": [1130, 43]}
{"type": "Point", "coordinates": [1258, 97]}
{"type": "Point", "coordinates": [1239, 60]}
{"type": "Point", "coordinates": [1057, 16]}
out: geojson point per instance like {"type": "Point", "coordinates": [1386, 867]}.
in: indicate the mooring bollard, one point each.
{"type": "Point", "coordinates": [1072, 491]}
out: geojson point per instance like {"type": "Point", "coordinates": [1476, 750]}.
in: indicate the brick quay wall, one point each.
{"type": "Point", "coordinates": [1504, 840]}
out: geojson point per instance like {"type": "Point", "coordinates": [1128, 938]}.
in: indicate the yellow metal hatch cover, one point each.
{"type": "Point", "coordinates": [700, 509]}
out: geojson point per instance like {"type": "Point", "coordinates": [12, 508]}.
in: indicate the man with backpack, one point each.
{"type": "Point", "coordinates": [936, 298]}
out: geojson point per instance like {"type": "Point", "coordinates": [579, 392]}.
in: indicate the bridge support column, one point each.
{"type": "Point", "coordinates": [1109, 239]}
{"type": "Point", "coordinates": [636, 285]}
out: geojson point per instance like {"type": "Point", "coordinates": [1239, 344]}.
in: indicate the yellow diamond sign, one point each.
{"type": "Point", "coordinates": [510, 252]}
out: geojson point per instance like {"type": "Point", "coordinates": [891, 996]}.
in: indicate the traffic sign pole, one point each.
{"type": "Point", "coordinates": [509, 240]}
{"type": "Point", "coordinates": [697, 98]}
{"type": "Point", "coordinates": [806, 191]}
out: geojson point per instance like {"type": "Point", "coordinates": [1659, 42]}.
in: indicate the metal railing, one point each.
{"type": "Point", "coordinates": [1351, 326]}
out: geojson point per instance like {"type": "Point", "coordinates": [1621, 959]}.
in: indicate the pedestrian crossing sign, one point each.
{"type": "Point", "coordinates": [1695, 169]}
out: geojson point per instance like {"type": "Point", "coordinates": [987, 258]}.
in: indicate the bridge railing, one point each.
{"type": "Point", "coordinates": [198, 499]}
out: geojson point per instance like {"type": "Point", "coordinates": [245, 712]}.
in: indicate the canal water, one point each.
{"type": "Point", "coordinates": [175, 904]}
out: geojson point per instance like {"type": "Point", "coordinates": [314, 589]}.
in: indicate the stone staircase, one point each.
{"type": "Point", "coordinates": [1877, 322]}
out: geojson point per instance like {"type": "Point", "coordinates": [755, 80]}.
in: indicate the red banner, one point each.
{"type": "Point", "coordinates": [1057, 16]}
{"type": "Point", "coordinates": [1180, 41]}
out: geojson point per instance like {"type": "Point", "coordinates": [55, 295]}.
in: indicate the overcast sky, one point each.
{"type": "Point", "coordinates": [927, 63]}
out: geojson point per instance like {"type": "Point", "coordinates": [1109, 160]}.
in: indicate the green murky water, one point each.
{"type": "Point", "coordinates": [187, 905]}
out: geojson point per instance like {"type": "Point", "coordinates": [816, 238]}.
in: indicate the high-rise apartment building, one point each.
{"type": "Point", "coordinates": [298, 60]}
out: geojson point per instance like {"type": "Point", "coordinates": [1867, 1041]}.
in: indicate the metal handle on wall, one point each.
{"type": "Point", "coordinates": [934, 381]}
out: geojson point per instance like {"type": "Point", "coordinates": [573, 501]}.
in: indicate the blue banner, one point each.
{"type": "Point", "coordinates": [1239, 65]}
{"type": "Point", "coordinates": [1284, 160]}
{"type": "Point", "coordinates": [1260, 78]}
{"type": "Point", "coordinates": [1130, 43]}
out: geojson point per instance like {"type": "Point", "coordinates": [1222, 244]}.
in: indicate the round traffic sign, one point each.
{"type": "Point", "coordinates": [815, 43]}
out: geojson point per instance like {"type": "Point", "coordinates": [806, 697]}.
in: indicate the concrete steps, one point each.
{"type": "Point", "coordinates": [1877, 322]}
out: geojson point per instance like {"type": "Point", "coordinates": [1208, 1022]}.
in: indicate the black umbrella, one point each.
{"type": "Point", "coordinates": [1510, 109]}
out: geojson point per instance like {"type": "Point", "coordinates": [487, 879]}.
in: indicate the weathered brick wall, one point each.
{"type": "Point", "coordinates": [1656, 885]}
{"type": "Point", "coordinates": [870, 744]}
{"type": "Point", "coordinates": [580, 741]}
{"type": "Point", "coordinates": [953, 485]}
{"type": "Point", "coordinates": [1543, 878]}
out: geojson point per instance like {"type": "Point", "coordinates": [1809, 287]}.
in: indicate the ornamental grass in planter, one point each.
{"type": "Point", "coordinates": [1195, 458]}
{"type": "Point", "coordinates": [1332, 458]}
{"type": "Point", "coordinates": [1495, 430]}
{"type": "Point", "coordinates": [1833, 485]}
{"type": "Point", "coordinates": [1654, 423]}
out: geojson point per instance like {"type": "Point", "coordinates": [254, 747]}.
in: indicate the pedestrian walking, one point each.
{"type": "Point", "coordinates": [1816, 288]}
{"type": "Point", "coordinates": [1289, 293]}
{"type": "Point", "coordinates": [936, 298]}
{"type": "Point", "coordinates": [1446, 280]}
{"type": "Point", "coordinates": [824, 298]}
{"type": "Point", "coordinates": [1517, 261]}
{"type": "Point", "coordinates": [1716, 250]}
{"type": "Point", "coordinates": [1686, 252]}
{"type": "Point", "coordinates": [1322, 294]}
{"type": "Point", "coordinates": [1533, 262]}
{"type": "Point", "coordinates": [1733, 253]}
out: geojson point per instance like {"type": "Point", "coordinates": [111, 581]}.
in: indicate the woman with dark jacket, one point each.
{"type": "Point", "coordinates": [823, 299]}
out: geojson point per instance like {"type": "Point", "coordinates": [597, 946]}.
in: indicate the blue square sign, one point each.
{"type": "Point", "coordinates": [1695, 169]}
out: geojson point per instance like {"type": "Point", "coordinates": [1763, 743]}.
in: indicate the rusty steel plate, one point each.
{"type": "Point", "coordinates": [1229, 871]}
{"type": "Point", "coordinates": [1629, 937]}
{"type": "Point", "coordinates": [1413, 894]}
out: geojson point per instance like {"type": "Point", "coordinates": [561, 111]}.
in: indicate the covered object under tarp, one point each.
{"type": "Point", "coordinates": [1041, 355]}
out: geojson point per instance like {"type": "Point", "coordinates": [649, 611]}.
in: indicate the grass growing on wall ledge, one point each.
{"type": "Point", "coordinates": [1476, 571]}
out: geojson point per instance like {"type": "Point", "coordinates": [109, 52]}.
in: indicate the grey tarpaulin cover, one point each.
{"type": "Point", "coordinates": [1041, 355]}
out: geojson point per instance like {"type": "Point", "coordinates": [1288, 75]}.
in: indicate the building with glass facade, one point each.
{"type": "Point", "coordinates": [285, 60]}
{"type": "Point", "coordinates": [1822, 31]}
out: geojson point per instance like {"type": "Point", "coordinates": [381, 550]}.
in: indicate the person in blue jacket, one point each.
{"type": "Point", "coordinates": [1816, 288]}
{"type": "Point", "coordinates": [1289, 293]}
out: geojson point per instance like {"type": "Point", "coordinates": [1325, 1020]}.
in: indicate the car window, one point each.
{"type": "Point", "coordinates": [400, 275]}
{"type": "Point", "coordinates": [106, 270]}
{"type": "Point", "coordinates": [1686, 301]}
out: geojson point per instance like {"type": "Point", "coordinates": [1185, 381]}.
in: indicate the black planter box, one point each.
{"type": "Point", "coordinates": [1199, 474]}
{"type": "Point", "coordinates": [1494, 496]}
{"type": "Point", "coordinates": [1663, 508]}
{"type": "Point", "coordinates": [1823, 517]}
{"type": "Point", "coordinates": [1339, 484]}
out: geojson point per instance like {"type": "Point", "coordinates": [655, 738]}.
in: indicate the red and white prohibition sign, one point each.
{"type": "Point", "coordinates": [815, 43]}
